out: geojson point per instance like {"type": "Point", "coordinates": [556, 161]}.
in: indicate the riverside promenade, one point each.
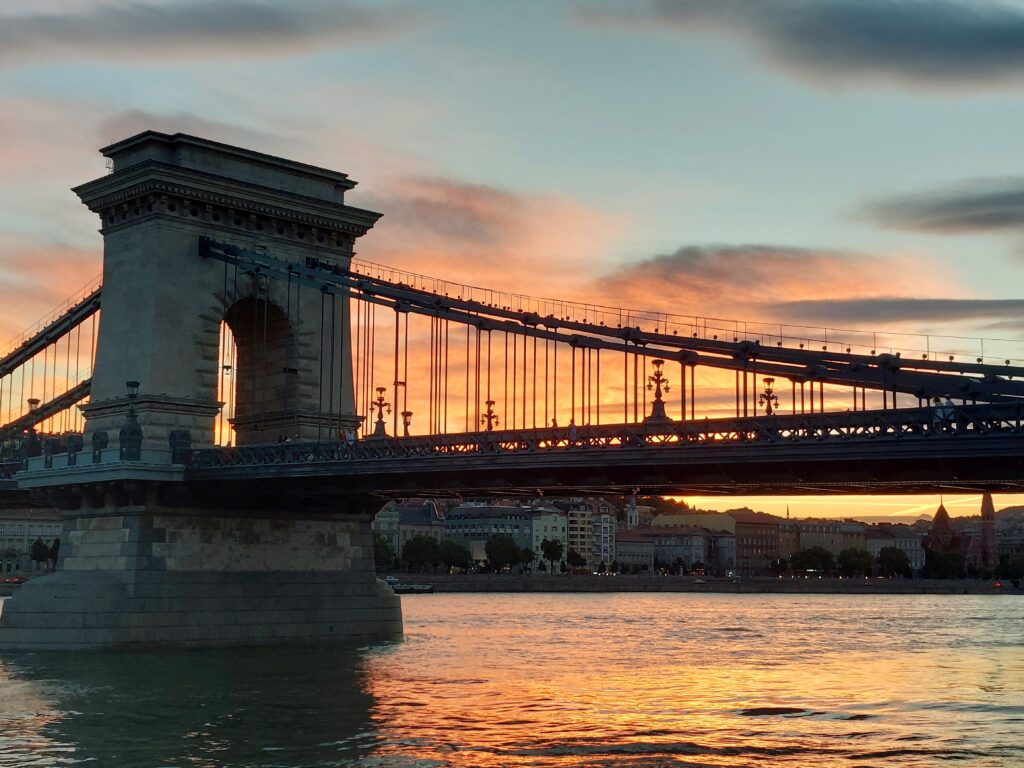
{"type": "Point", "coordinates": [597, 583]}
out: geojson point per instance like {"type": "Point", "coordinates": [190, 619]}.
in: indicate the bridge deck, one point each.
{"type": "Point", "coordinates": [899, 451]}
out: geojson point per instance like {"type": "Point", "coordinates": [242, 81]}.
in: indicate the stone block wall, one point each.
{"type": "Point", "coordinates": [180, 577]}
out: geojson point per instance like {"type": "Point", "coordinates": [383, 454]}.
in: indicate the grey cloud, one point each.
{"type": "Point", "coordinates": [728, 267]}
{"type": "Point", "coordinates": [979, 206]}
{"type": "Point", "coordinates": [451, 210]}
{"type": "Point", "coordinates": [803, 286]}
{"type": "Point", "coordinates": [132, 121]}
{"type": "Point", "coordinates": [935, 43]}
{"type": "Point", "coordinates": [190, 28]}
{"type": "Point", "coordinates": [1007, 314]}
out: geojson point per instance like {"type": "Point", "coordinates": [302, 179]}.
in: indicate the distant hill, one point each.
{"type": "Point", "coordinates": [908, 519]}
{"type": "Point", "coordinates": [1010, 513]}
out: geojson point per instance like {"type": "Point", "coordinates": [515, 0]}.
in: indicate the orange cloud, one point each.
{"type": "Point", "coordinates": [479, 235]}
{"type": "Point", "coordinates": [752, 281]}
{"type": "Point", "coordinates": [34, 279]}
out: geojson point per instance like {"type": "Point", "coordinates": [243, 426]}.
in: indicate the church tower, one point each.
{"type": "Point", "coordinates": [989, 551]}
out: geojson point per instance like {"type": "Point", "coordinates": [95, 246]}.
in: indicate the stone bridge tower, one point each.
{"type": "Point", "coordinates": [147, 558]}
{"type": "Point", "coordinates": [163, 304]}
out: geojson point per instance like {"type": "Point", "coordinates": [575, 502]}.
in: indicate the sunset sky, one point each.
{"type": "Point", "coordinates": [850, 164]}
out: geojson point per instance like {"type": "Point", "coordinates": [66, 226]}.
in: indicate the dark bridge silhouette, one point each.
{"type": "Point", "coordinates": [763, 449]}
{"type": "Point", "coordinates": [894, 452]}
{"type": "Point", "coordinates": [232, 399]}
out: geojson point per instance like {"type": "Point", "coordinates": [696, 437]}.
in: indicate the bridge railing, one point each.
{"type": "Point", "coordinates": [862, 425]}
{"type": "Point", "coordinates": [106, 456]}
{"type": "Point", "coordinates": [88, 292]}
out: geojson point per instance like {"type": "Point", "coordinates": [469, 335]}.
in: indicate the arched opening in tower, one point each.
{"type": "Point", "coordinates": [258, 376]}
{"type": "Point", "coordinates": [227, 359]}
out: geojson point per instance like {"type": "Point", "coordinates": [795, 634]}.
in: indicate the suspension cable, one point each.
{"type": "Point", "coordinates": [398, 323]}
{"type": "Point", "coordinates": [572, 398]}
{"type": "Point", "coordinates": [405, 369]}
{"type": "Point", "coordinates": [534, 388]}
{"type": "Point", "coordinates": [554, 394]}
{"type": "Point", "coordinates": [476, 383]}
{"type": "Point", "coordinates": [636, 384]}
{"type": "Point", "coordinates": [625, 386]}
{"type": "Point", "coordinates": [444, 424]}
{"type": "Point", "coordinates": [333, 433]}
{"type": "Point", "coordinates": [320, 381]}
{"type": "Point", "coordinates": [515, 367]}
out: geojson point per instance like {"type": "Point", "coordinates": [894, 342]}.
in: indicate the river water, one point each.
{"type": "Point", "coordinates": [557, 680]}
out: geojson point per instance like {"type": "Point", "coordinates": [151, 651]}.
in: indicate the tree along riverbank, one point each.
{"type": "Point", "coordinates": [491, 582]}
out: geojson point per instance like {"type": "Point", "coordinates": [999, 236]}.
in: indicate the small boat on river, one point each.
{"type": "Point", "coordinates": [408, 589]}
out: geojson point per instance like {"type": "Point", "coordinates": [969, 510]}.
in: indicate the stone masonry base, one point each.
{"type": "Point", "coordinates": [179, 578]}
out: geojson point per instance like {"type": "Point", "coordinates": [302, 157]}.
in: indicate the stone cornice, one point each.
{"type": "Point", "coordinates": [126, 153]}
{"type": "Point", "coordinates": [151, 403]}
{"type": "Point", "coordinates": [152, 187]}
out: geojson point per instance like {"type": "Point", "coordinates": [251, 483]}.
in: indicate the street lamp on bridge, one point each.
{"type": "Point", "coordinates": [490, 418]}
{"type": "Point", "coordinates": [659, 384]}
{"type": "Point", "coordinates": [380, 428]}
{"type": "Point", "coordinates": [130, 437]}
{"type": "Point", "coordinates": [406, 421]}
{"type": "Point", "coordinates": [768, 398]}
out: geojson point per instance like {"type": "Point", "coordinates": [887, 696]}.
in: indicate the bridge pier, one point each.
{"type": "Point", "coordinates": [144, 560]}
{"type": "Point", "coordinates": [138, 570]}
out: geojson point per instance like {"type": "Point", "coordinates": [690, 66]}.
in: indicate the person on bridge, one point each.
{"type": "Point", "coordinates": [938, 415]}
{"type": "Point", "coordinates": [948, 414]}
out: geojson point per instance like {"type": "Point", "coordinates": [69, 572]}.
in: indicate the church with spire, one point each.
{"type": "Point", "coordinates": [951, 553]}
{"type": "Point", "coordinates": [983, 552]}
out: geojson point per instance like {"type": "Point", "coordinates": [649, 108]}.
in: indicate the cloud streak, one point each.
{"type": "Point", "coordinates": [931, 43]}
{"type": "Point", "coordinates": [1006, 313]}
{"type": "Point", "coordinates": [986, 205]}
{"type": "Point", "coordinates": [740, 280]}
{"type": "Point", "coordinates": [481, 235]}
{"type": "Point", "coordinates": [192, 28]}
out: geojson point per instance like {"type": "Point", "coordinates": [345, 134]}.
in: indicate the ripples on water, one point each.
{"type": "Point", "coordinates": [557, 680]}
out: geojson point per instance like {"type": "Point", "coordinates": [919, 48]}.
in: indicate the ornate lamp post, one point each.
{"type": "Point", "coordinates": [406, 421]}
{"type": "Point", "coordinates": [380, 428]}
{"type": "Point", "coordinates": [130, 437]}
{"type": "Point", "coordinates": [490, 419]}
{"type": "Point", "coordinates": [659, 384]}
{"type": "Point", "coordinates": [32, 447]}
{"type": "Point", "coordinates": [768, 398]}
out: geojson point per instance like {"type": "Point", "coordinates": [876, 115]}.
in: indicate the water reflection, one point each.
{"type": "Point", "coordinates": [556, 680]}
{"type": "Point", "coordinates": [243, 707]}
{"type": "Point", "coordinates": [724, 680]}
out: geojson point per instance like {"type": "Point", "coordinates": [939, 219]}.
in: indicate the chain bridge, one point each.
{"type": "Point", "coordinates": [219, 414]}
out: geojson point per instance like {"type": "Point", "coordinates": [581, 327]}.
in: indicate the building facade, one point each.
{"type": "Point", "coordinates": [833, 535]}
{"type": "Point", "coordinates": [552, 524]}
{"type": "Point", "coordinates": [634, 551]}
{"type": "Point", "coordinates": [398, 521]}
{"type": "Point", "coordinates": [757, 541]}
{"type": "Point", "coordinates": [591, 526]}
{"type": "Point", "coordinates": [901, 537]}
{"type": "Point", "coordinates": [19, 530]}
{"type": "Point", "coordinates": [472, 524]}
